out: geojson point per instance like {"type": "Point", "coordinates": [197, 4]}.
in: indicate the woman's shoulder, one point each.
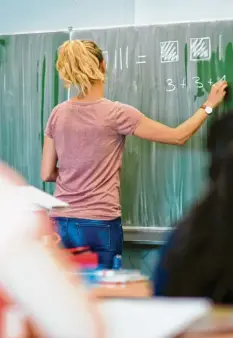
{"type": "Point", "coordinates": [61, 105]}
{"type": "Point", "coordinates": [58, 107]}
{"type": "Point", "coordinates": [117, 104]}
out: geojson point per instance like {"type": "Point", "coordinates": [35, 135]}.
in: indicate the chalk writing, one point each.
{"type": "Point", "coordinates": [121, 57]}
{"type": "Point", "coordinates": [183, 84]}
{"type": "Point", "coordinates": [200, 49]}
{"type": "Point", "coordinates": [197, 82]}
{"type": "Point", "coordinates": [121, 66]}
{"type": "Point", "coordinates": [172, 86]}
{"type": "Point", "coordinates": [141, 57]}
{"type": "Point", "coordinates": [127, 57]}
{"type": "Point", "coordinates": [169, 51]}
{"type": "Point", "coordinates": [223, 78]}
{"type": "Point", "coordinates": [220, 47]}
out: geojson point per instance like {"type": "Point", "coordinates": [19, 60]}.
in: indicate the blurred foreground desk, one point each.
{"type": "Point", "coordinates": [217, 324]}
{"type": "Point", "coordinates": [140, 289]}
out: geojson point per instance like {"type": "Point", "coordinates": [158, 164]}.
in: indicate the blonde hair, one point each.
{"type": "Point", "coordinates": [78, 64]}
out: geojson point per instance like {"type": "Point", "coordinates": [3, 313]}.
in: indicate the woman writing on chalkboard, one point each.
{"type": "Point", "coordinates": [86, 135]}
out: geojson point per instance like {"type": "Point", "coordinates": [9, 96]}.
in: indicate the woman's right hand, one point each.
{"type": "Point", "coordinates": [217, 93]}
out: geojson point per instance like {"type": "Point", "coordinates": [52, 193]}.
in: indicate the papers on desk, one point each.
{"type": "Point", "coordinates": [39, 199]}
{"type": "Point", "coordinates": [152, 318]}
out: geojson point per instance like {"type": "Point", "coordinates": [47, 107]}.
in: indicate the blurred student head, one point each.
{"type": "Point", "coordinates": [200, 263]}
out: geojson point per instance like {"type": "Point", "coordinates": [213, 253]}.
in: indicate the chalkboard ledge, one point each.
{"type": "Point", "coordinates": [145, 235]}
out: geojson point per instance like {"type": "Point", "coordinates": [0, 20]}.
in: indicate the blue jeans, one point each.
{"type": "Point", "coordinates": [103, 237]}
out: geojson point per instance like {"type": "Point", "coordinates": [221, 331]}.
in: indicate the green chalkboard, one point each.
{"type": "Point", "coordinates": [29, 89]}
{"type": "Point", "coordinates": [165, 71]}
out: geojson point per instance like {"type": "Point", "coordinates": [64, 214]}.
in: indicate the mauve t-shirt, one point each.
{"type": "Point", "coordinates": [89, 140]}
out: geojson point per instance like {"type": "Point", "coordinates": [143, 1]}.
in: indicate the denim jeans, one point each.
{"type": "Point", "coordinates": [103, 237]}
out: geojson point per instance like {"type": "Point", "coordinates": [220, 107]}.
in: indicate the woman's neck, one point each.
{"type": "Point", "coordinates": [96, 93]}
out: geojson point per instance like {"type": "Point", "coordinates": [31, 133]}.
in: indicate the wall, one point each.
{"type": "Point", "coordinates": [43, 15]}
{"type": "Point", "coordinates": [157, 11]}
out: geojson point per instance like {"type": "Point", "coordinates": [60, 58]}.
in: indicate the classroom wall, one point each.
{"type": "Point", "coordinates": [43, 15]}
{"type": "Point", "coordinates": [156, 11]}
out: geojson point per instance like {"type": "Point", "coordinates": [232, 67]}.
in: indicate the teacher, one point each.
{"type": "Point", "coordinates": [86, 136]}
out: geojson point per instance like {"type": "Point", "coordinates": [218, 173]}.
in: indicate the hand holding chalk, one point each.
{"type": "Point", "coordinates": [217, 94]}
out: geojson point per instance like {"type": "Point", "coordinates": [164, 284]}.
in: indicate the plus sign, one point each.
{"type": "Point", "coordinates": [183, 84]}
{"type": "Point", "coordinates": [210, 82]}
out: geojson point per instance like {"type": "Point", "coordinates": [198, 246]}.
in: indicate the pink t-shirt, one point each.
{"type": "Point", "coordinates": [89, 140]}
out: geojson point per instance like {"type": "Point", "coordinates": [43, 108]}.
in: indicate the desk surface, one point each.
{"type": "Point", "coordinates": [130, 290]}
{"type": "Point", "coordinates": [217, 324]}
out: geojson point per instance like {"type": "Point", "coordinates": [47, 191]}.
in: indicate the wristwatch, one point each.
{"type": "Point", "coordinates": [207, 109]}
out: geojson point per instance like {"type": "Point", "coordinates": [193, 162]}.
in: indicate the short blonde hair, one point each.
{"type": "Point", "coordinates": [78, 64]}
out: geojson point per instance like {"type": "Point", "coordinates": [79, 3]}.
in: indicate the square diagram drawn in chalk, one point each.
{"type": "Point", "coordinates": [169, 51]}
{"type": "Point", "coordinates": [200, 49]}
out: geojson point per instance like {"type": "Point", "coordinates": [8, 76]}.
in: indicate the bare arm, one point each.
{"type": "Point", "coordinates": [49, 170]}
{"type": "Point", "coordinates": [158, 132]}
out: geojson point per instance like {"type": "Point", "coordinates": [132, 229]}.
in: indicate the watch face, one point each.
{"type": "Point", "coordinates": [208, 110]}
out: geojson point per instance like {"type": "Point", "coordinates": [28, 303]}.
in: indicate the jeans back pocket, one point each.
{"type": "Point", "coordinates": [96, 236]}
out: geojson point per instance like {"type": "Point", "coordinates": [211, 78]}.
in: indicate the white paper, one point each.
{"type": "Point", "coordinates": [152, 318]}
{"type": "Point", "coordinates": [39, 198]}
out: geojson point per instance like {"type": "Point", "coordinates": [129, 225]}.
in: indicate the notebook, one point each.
{"type": "Point", "coordinates": [151, 318]}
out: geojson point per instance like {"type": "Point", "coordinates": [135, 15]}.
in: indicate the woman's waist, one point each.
{"type": "Point", "coordinates": [89, 220]}
{"type": "Point", "coordinates": [87, 214]}
{"type": "Point", "coordinates": [88, 198]}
